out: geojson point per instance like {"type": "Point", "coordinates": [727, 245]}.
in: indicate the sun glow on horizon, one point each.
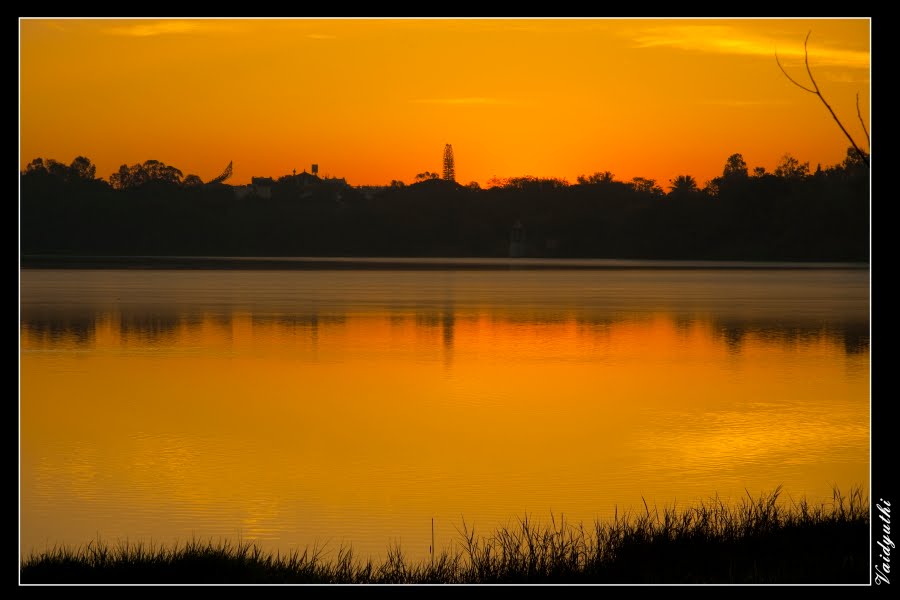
{"type": "Point", "coordinates": [373, 100]}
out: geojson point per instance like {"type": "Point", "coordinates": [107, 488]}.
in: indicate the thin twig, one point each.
{"type": "Point", "coordinates": [861, 122]}
{"type": "Point", "coordinates": [791, 79]}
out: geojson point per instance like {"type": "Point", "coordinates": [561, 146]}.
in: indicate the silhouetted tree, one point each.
{"type": "Point", "coordinates": [36, 166]}
{"type": "Point", "coordinates": [646, 186]}
{"type": "Point", "coordinates": [713, 186]}
{"type": "Point", "coordinates": [734, 177]}
{"type": "Point", "coordinates": [82, 169]}
{"type": "Point", "coordinates": [159, 171]}
{"type": "Point", "coordinates": [683, 184]}
{"type": "Point", "coordinates": [530, 182]}
{"type": "Point", "coordinates": [49, 167]}
{"type": "Point", "coordinates": [854, 159]}
{"type": "Point", "coordinates": [763, 217]}
{"type": "Point", "coordinates": [427, 175]}
{"type": "Point", "coordinates": [137, 175]}
{"type": "Point", "coordinates": [791, 168]}
{"type": "Point", "coordinates": [735, 166]}
{"type": "Point", "coordinates": [852, 166]}
{"type": "Point", "coordinates": [598, 177]}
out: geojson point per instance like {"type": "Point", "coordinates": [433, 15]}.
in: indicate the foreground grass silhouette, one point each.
{"type": "Point", "coordinates": [756, 541]}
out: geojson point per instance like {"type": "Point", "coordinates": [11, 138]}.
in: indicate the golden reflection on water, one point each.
{"type": "Point", "coordinates": [295, 424]}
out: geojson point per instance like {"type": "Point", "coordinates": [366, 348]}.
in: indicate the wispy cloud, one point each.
{"type": "Point", "coordinates": [845, 77]}
{"type": "Point", "coordinates": [509, 24]}
{"type": "Point", "coordinates": [321, 36]}
{"type": "Point", "coordinates": [473, 100]}
{"type": "Point", "coordinates": [723, 39]}
{"type": "Point", "coordinates": [154, 28]}
{"type": "Point", "coordinates": [744, 103]}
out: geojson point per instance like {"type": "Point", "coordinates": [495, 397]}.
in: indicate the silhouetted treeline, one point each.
{"type": "Point", "coordinates": [151, 209]}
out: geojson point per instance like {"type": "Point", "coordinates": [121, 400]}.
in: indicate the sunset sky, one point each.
{"type": "Point", "coordinates": [376, 100]}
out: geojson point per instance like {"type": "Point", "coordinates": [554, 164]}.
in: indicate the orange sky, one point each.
{"type": "Point", "coordinates": [376, 100]}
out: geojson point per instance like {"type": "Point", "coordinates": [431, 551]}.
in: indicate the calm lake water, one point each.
{"type": "Point", "coordinates": [313, 407]}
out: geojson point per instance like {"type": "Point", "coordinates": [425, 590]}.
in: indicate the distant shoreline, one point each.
{"type": "Point", "coordinates": [58, 261]}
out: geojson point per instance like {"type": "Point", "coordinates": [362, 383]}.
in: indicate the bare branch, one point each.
{"type": "Point", "coordinates": [841, 125]}
{"type": "Point", "coordinates": [863, 123]}
{"type": "Point", "coordinates": [815, 90]}
{"type": "Point", "coordinates": [791, 79]}
{"type": "Point", "coordinates": [806, 62]}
